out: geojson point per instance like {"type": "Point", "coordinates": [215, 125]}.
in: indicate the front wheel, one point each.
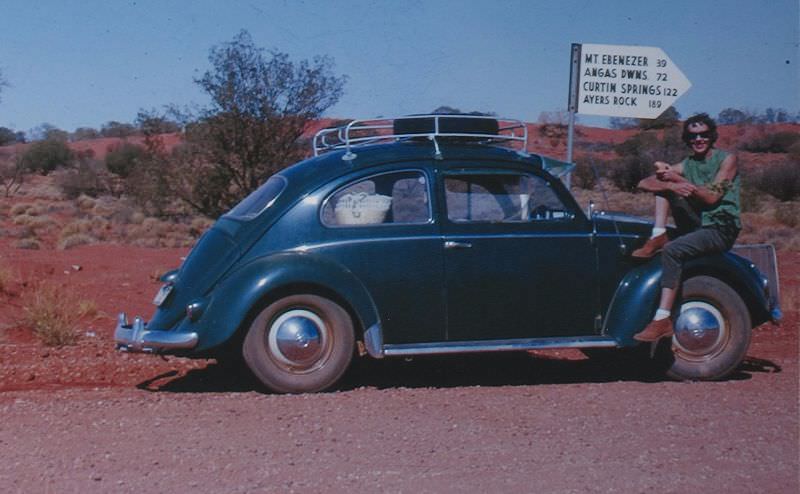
{"type": "Point", "coordinates": [712, 331]}
{"type": "Point", "coordinates": [299, 344]}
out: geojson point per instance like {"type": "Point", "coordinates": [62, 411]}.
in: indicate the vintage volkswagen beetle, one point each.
{"type": "Point", "coordinates": [425, 235]}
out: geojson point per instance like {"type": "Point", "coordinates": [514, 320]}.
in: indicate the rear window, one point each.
{"type": "Point", "coordinates": [259, 200]}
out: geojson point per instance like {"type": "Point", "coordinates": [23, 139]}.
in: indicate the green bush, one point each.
{"type": "Point", "coordinates": [781, 180]}
{"type": "Point", "coordinates": [45, 156]}
{"type": "Point", "coordinates": [776, 142]}
{"type": "Point", "coordinates": [122, 159]}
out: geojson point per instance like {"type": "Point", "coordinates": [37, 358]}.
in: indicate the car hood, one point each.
{"type": "Point", "coordinates": [623, 222]}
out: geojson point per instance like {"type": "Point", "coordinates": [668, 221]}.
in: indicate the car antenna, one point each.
{"type": "Point", "coordinates": [622, 247]}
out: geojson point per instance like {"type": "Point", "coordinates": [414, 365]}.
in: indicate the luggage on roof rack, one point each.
{"type": "Point", "coordinates": [470, 128]}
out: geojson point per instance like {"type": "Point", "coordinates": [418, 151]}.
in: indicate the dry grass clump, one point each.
{"type": "Point", "coordinates": [154, 233]}
{"type": "Point", "coordinates": [790, 298]}
{"type": "Point", "coordinates": [19, 209]}
{"type": "Point", "coordinates": [53, 313]}
{"type": "Point", "coordinates": [35, 224]}
{"type": "Point", "coordinates": [788, 213]}
{"type": "Point", "coordinates": [75, 240]}
{"type": "Point", "coordinates": [85, 203]}
{"type": "Point", "coordinates": [6, 278]}
{"type": "Point", "coordinates": [200, 225]}
{"type": "Point", "coordinates": [23, 219]}
{"type": "Point", "coordinates": [28, 243]}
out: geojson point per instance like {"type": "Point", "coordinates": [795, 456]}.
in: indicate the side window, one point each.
{"type": "Point", "coordinates": [390, 198]}
{"type": "Point", "coordinates": [506, 197]}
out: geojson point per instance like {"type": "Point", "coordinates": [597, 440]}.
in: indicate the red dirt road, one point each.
{"type": "Point", "coordinates": [88, 419]}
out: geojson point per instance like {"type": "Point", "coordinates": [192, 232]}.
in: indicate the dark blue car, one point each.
{"type": "Point", "coordinates": [429, 235]}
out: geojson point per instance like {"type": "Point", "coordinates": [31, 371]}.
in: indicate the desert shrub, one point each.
{"type": "Point", "coordinates": [84, 202]}
{"type": "Point", "coordinates": [19, 209]}
{"type": "Point", "coordinates": [53, 312]}
{"type": "Point", "coordinates": [35, 223]}
{"type": "Point", "coordinates": [788, 213]}
{"type": "Point", "coordinates": [76, 240]}
{"type": "Point", "coordinates": [794, 152]}
{"type": "Point", "coordinates": [23, 219]}
{"type": "Point", "coordinates": [84, 179]}
{"type": "Point", "coordinates": [750, 198]}
{"type": "Point", "coordinates": [770, 142]}
{"type": "Point", "coordinates": [124, 158]}
{"type": "Point", "coordinates": [584, 174]}
{"type": "Point", "coordinates": [780, 180]}
{"type": "Point", "coordinates": [137, 218]}
{"type": "Point", "coordinates": [117, 129]}
{"type": "Point", "coordinates": [45, 156]}
{"type": "Point", "coordinates": [12, 173]}
{"type": "Point", "coordinates": [638, 153]}
{"type": "Point", "coordinates": [199, 225]}
{"type": "Point", "coordinates": [28, 243]}
{"type": "Point", "coordinates": [6, 278]}
{"type": "Point", "coordinates": [77, 226]}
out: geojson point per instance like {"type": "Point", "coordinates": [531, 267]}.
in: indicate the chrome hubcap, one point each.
{"type": "Point", "coordinates": [700, 330]}
{"type": "Point", "coordinates": [297, 339]}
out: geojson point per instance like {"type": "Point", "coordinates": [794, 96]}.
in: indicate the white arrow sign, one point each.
{"type": "Point", "coordinates": [624, 81]}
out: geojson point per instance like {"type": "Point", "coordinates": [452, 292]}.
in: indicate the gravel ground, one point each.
{"type": "Point", "coordinates": [514, 423]}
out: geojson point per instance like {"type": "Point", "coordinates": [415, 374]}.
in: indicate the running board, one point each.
{"type": "Point", "coordinates": [440, 348]}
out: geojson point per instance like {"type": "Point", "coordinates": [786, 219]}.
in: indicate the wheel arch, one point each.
{"type": "Point", "coordinates": [637, 294]}
{"type": "Point", "coordinates": [730, 271]}
{"type": "Point", "coordinates": [252, 287]}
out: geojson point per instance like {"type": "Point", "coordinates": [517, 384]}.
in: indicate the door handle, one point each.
{"type": "Point", "coordinates": [449, 244]}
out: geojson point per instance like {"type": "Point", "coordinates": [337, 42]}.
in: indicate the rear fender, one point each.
{"type": "Point", "coordinates": [636, 298]}
{"type": "Point", "coordinates": [249, 286]}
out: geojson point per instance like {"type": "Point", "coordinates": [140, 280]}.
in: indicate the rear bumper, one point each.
{"type": "Point", "coordinates": [137, 338]}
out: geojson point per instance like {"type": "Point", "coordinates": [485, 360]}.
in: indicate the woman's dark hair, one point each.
{"type": "Point", "coordinates": [702, 118]}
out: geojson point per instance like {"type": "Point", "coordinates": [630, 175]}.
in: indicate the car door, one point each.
{"type": "Point", "coordinates": [379, 225]}
{"type": "Point", "coordinates": [519, 261]}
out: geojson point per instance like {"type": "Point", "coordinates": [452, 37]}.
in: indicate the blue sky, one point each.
{"type": "Point", "coordinates": [83, 63]}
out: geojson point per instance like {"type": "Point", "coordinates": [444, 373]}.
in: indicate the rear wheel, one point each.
{"type": "Point", "coordinates": [300, 344]}
{"type": "Point", "coordinates": [712, 331]}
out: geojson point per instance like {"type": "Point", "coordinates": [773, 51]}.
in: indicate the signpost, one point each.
{"type": "Point", "coordinates": [621, 81]}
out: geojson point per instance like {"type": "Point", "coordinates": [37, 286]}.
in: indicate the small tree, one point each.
{"type": "Point", "coordinates": [117, 129]}
{"type": "Point", "coordinates": [733, 116]}
{"type": "Point", "coordinates": [85, 134]}
{"type": "Point", "coordinates": [7, 136]}
{"type": "Point", "coordinates": [261, 105]}
{"type": "Point", "coordinates": [45, 156]}
{"type": "Point", "coordinates": [122, 159]}
{"type": "Point", "coordinates": [12, 173]}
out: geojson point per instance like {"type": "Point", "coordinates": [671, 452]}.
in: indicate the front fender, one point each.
{"type": "Point", "coordinates": [634, 302]}
{"type": "Point", "coordinates": [637, 295]}
{"type": "Point", "coordinates": [233, 299]}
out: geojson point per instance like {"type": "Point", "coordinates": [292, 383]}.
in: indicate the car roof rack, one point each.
{"type": "Point", "coordinates": [463, 128]}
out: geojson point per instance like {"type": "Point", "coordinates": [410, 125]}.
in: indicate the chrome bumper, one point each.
{"type": "Point", "coordinates": [137, 338]}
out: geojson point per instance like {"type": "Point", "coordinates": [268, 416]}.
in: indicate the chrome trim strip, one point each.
{"type": "Point", "coordinates": [137, 338]}
{"type": "Point", "coordinates": [373, 340]}
{"type": "Point", "coordinates": [322, 245]}
{"type": "Point", "coordinates": [439, 348]}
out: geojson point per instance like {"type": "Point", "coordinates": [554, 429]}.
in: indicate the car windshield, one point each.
{"type": "Point", "coordinates": [259, 200]}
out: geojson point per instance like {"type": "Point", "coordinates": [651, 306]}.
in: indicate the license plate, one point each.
{"type": "Point", "coordinates": [162, 294]}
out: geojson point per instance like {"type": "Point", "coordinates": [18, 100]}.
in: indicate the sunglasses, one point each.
{"type": "Point", "coordinates": [693, 136]}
